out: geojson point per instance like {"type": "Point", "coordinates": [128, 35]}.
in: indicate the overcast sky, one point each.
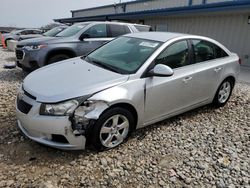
{"type": "Point", "coordinates": [35, 13]}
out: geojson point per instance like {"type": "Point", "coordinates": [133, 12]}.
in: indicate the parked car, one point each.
{"type": "Point", "coordinates": [51, 33]}
{"type": "Point", "coordinates": [14, 35]}
{"type": "Point", "coordinates": [131, 82]}
{"type": "Point", "coordinates": [11, 44]}
{"type": "Point", "coordinates": [3, 32]}
{"type": "Point", "coordinates": [76, 40]}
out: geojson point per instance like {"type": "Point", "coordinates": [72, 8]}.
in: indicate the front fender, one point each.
{"type": "Point", "coordinates": [131, 93]}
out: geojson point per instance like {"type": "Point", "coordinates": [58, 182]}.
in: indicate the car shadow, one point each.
{"type": "Point", "coordinates": [141, 133]}
{"type": "Point", "coordinates": [12, 75]}
{"type": "Point", "coordinates": [10, 59]}
{"type": "Point", "coordinates": [30, 152]}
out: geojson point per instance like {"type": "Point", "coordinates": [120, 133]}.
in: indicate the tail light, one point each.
{"type": "Point", "coordinates": [240, 61]}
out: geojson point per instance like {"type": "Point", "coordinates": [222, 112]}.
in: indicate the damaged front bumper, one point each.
{"type": "Point", "coordinates": [53, 131]}
{"type": "Point", "coordinates": [46, 140]}
{"type": "Point", "coordinates": [62, 132]}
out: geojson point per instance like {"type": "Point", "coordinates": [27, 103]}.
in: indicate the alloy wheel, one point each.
{"type": "Point", "coordinates": [224, 92]}
{"type": "Point", "coordinates": [114, 131]}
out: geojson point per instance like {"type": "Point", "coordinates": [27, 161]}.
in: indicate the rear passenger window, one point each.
{"type": "Point", "coordinates": [37, 32]}
{"type": "Point", "coordinates": [30, 32]}
{"type": "Point", "coordinates": [219, 52]}
{"type": "Point", "coordinates": [204, 51]}
{"type": "Point", "coordinates": [24, 33]}
{"type": "Point", "coordinates": [118, 30]}
{"type": "Point", "coordinates": [97, 31]}
{"type": "Point", "coordinates": [142, 28]}
{"type": "Point", "coordinates": [175, 55]}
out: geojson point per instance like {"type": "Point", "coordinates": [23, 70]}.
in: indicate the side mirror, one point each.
{"type": "Point", "coordinates": [161, 70]}
{"type": "Point", "coordinates": [84, 36]}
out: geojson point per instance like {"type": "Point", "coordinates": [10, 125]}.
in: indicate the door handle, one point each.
{"type": "Point", "coordinates": [217, 69]}
{"type": "Point", "coordinates": [185, 80]}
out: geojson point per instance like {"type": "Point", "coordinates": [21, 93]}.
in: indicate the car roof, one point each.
{"type": "Point", "coordinates": [118, 23]}
{"type": "Point", "coordinates": [20, 30]}
{"type": "Point", "coordinates": [157, 36]}
{"type": "Point", "coordinates": [61, 26]}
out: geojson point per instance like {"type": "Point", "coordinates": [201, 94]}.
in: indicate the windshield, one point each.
{"type": "Point", "coordinates": [15, 31]}
{"type": "Point", "coordinates": [71, 31]}
{"type": "Point", "coordinates": [53, 32]}
{"type": "Point", "coordinates": [124, 54]}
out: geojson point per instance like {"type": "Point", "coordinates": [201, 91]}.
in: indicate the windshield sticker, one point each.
{"type": "Point", "coordinates": [149, 44]}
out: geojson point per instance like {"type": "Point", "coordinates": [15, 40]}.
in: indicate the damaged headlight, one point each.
{"type": "Point", "coordinates": [81, 111]}
{"type": "Point", "coordinates": [60, 109]}
{"type": "Point", "coordinates": [89, 110]}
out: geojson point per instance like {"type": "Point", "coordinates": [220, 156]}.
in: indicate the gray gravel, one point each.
{"type": "Point", "coordinates": [203, 148]}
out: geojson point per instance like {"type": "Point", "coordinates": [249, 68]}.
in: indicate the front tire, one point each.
{"type": "Point", "coordinates": [112, 128]}
{"type": "Point", "coordinates": [223, 93]}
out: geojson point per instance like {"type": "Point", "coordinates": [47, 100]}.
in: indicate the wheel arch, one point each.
{"type": "Point", "coordinates": [229, 77]}
{"type": "Point", "coordinates": [58, 51]}
{"type": "Point", "coordinates": [128, 107]}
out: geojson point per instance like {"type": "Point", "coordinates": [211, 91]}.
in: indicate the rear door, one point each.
{"type": "Point", "coordinates": [209, 60]}
{"type": "Point", "coordinates": [97, 36]}
{"type": "Point", "coordinates": [116, 30]}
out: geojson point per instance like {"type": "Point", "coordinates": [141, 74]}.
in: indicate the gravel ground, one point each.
{"type": "Point", "coordinates": [203, 148]}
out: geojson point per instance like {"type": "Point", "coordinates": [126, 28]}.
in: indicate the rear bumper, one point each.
{"type": "Point", "coordinates": [44, 129]}
{"type": "Point", "coordinates": [11, 45]}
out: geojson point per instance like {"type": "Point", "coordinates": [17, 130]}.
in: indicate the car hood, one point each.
{"type": "Point", "coordinates": [36, 41]}
{"type": "Point", "coordinates": [69, 79]}
{"type": "Point", "coordinates": [23, 37]}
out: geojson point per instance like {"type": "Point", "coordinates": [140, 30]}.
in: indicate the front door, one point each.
{"type": "Point", "coordinates": [96, 36]}
{"type": "Point", "coordinates": [167, 95]}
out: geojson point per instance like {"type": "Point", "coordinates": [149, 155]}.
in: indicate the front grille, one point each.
{"type": "Point", "coordinates": [23, 106]}
{"type": "Point", "coordinates": [19, 54]}
{"type": "Point", "coordinates": [20, 46]}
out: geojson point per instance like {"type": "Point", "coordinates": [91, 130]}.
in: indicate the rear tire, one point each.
{"type": "Point", "coordinates": [56, 58]}
{"type": "Point", "coordinates": [111, 129]}
{"type": "Point", "coordinates": [223, 93]}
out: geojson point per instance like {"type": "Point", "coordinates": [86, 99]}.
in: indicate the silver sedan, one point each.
{"type": "Point", "coordinates": [129, 83]}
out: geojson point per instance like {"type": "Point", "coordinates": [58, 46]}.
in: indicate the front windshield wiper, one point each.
{"type": "Point", "coordinates": [101, 64]}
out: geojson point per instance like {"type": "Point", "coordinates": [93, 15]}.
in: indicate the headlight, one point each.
{"type": "Point", "coordinates": [34, 47]}
{"type": "Point", "coordinates": [60, 109]}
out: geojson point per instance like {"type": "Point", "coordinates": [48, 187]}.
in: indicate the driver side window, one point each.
{"type": "Point", "coordinates": [174, 56]}
{"type": "Point", "coordinates": [97, 31]}
{"type": "Point", "coordinates": [23, 33]}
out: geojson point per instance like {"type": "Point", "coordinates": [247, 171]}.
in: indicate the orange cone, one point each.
{"type": "Point", "coordinates": [2, 40]}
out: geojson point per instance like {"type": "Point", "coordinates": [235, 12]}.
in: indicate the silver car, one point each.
{"type": "Point", "coordinates": [131, 82]}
